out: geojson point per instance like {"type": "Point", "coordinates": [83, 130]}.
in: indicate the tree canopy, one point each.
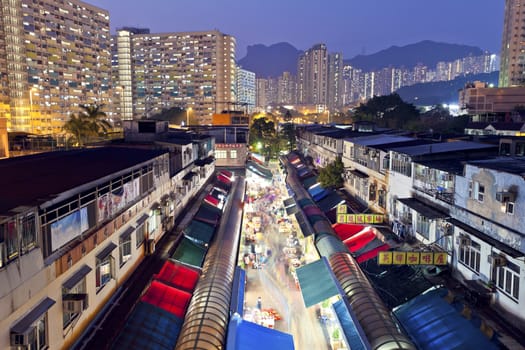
{"type": "Point", "coordinates": [388, 111]}
{"type": "Point", "coordinates": [86, 124]}
{"type": "Point", "coordinates": [331, 175]}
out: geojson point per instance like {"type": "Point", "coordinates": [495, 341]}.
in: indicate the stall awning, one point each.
{"type": "Point", "coordinates": [168, 298]}
{"type": "Point", "coordinates": [259, 170]}
{"type": "Point", "coordinates": [106, 251]}
{"type": "Point", "coordinates": [360, 239]}
{"type": "Point", "coordinates": [248, 335]}
{"type": "Point", "coordinates": [190, 252]}
{"type": "Point", "coordinates": [291, 210]}
{"type": "Point", "coordinates": [312, 210]}
{"type": "Point", "coordinates": [350, 326]}
{"type": "Point", "coordinates": [305, 229]}
{"type": "Point", "coordinates": [199, 231]}
{"type": "Point", "coordinates": [484, 237]}
{"type": "Point", "coordinates": [76, 277]}
{"type": "Point", "coordinates": [178, 276]}
{"type": "Point", "coordinates": [314, 190]}
{"type": "Point", "coordinates": [329, 202]}
{"type": "Point", "coordinates": [345, 231]}
{"type": "Point", "coordinates": [317, 197]}
{"type": "Point", "coordinates": [238, 286]}
{"type": "Point", "coordinates": [150, 328]}
{"type": "Point", "coordinates": [28, 320]}
{"type": "Point", "coordinates": [309, 182]}
{"type": "Point", "coordinates": [205, 214]}
{"type": "Point", "coordinates": [317, 282]}
{"type": "Point", "coordinates": [423, 209]}
{"type": "Point", "coordinates": [288, 202]}
{"type": "Point", "coordinates": [432, 323]}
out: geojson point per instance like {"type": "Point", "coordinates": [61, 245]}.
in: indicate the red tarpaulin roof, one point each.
{"type": "Point", "coordinates": [372, 253]}
{"type": "Point", "coordinates": [226, 173]}
{"type": "Point", "coordinates": [168, 298]}
{"type": "Point", "coordinates": [224, 179]}
{"type": "Point", "coordinates": [212, 200]}
{"type": "Point", "coordinates": [359, 240]}
{"type": "Point", "coordinates": [345, 231]}
{"type": "Point", "coordinates": [178, 276]}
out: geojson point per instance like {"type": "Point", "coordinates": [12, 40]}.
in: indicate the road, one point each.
{"type": "Point", "coordinates": [277, 287]}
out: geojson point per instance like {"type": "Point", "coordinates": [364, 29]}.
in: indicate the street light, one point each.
{"type": "Point", "coordinates": [188, 110]}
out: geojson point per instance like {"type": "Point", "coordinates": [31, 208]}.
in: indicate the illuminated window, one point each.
{"type": "Point", "coordinates": [233, 154]}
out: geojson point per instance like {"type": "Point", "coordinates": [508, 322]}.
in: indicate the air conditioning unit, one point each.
{"type": "Point", "coordinates": [21, 340]}
{"type": "Point", "coordinates": [497, 260]}
{"type": "Point", "coordinates": [463, 241]}
{"type": "Point", "coordinates": [150, 246]}
{"type": "Point", "coordinates": [505, 197]}
{"type": "Point", "coordinates": [74, 303]}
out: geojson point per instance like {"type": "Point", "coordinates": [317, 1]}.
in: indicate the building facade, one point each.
{"type": "Point", "coordinates": [54, 56]}
{"type": "Point", "coordinates": [312, 76]}
{"type": "Point", "coordinates": [245, 90]}
{"type": "Point", "coordinates": [163, 70]}
{"type": "Point", "coordinates": [512, 70]}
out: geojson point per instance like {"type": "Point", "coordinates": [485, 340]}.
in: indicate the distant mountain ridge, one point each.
{"type": "Point", "coordinates": [273, 60]}
{"type": "Point", "coordinates": [270, 61]}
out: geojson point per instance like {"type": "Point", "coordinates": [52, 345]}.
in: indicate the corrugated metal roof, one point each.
{"type": "Point", "coordinates": [424, 209]}
{"type": "Point", "coordinates": [442, 147]}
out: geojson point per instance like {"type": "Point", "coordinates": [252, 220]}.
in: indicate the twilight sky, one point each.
{"type": "Point", "coordinates": [349, 26]}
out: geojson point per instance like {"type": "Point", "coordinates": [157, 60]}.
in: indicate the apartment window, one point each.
{"type": "Point", "coordinates": [74, 295]}
{"type": "Point", "coordinates": [30, 332]}
{"type": "Point", "coordinates": [233, 154]}
{"type": "Point", "coordinates": [105, 270]}
{"type": "Point", "coordinates": [422, 226]}
{"type": "Point", "coordinates": [476, 190]}
{"type": "Point", "coordinates": [507, 279]}
{"type": "Point", "coordinates": [139, 235]}
{"type": "Point", "coordinates": [28, 226]}
{"type": "Point", "coordinates": [220, 154]}
{"type": "Point", "coordinates": [124, 246]}
{"type": "Point", "coordinates": [470, 255]}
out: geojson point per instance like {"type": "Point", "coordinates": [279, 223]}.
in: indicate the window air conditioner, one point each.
{"type": "Point", "coordinates": [21, 340]}
{"type": "Point", "coordinates": [497, 260]}
{"type": "Point", "coordinates": [505, 197]}
{"type": "Point", "coordinates": [463, 241]}
{"type": "Point", "coordinates": [74, 303]}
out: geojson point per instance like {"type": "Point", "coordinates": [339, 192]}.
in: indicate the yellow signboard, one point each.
{"type": "Point", "coordinates": [359, 218]}
{"type": "Point", "coordinates": [412, 258]}
{"type": "Point", "coordinates": [342, 209]}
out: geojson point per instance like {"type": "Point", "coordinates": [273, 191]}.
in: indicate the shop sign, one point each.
{"type": "Point", "coordinates": [412, 258]}
{"type": "Point", "coordinates": [360, 218]}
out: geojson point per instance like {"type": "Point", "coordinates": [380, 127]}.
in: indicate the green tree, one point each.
{"type": "Point", "coordinates": [331, 175]}
{"type": "Point", "coordinates": [387, 111]}
{"type": "Point", "coordinates": [86, 124]}
{"type": "Point", "coordinates": [262, 132]}
{"type": "Point", "coordinates": [288, 135]}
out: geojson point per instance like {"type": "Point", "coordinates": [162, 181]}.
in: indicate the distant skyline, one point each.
{"type": "Point", "coordinates": [348, 26]}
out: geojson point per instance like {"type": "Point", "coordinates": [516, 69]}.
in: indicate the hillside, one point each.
{"type": "Point", "coordinates": [443, 91]}
{"type": "Point", "coordinates": [270, 61]}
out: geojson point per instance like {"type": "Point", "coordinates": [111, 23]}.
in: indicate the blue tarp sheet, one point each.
{"type": "Point", "coordinates": [248, 335]}
{"type": "Point", "coordinates": [321, 195]}
{"type": "Point", "coordinates": [353, 336]}
{"type": "Point", "coordinates": [237, 300]}
{"type": "Point", "coordinates": [149, 327]}
{"type": "Point", "coordinates": [329, 202]}
{"type": "Point", "coordinates": [432, 323]}
{"type": "Point", "coordinates": [315, 190]}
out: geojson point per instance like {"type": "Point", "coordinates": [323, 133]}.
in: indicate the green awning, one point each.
{"type": "Point", "coordinates": [189, 252]}
{"type": "Point", "coordinates": [309, 182]}
{"type": "Point", "coordinates": [317, 282]}
{"type": "Point", "coordinates": [199, 231]}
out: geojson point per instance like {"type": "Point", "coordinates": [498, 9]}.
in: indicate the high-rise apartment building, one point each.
{"type": "Point", "coordinates": [54, 55]}
{"type": "Point", "coordinates": [286, 89]}
{"type": "Point", "coordinates": [245, 89]}
{"type": "Point", "coordinates": [312, 76]}
{"type": "Point", "coordinates": [512, 65]}
{"type": "Point", "coordinates": [186, 69]}
{"type": "Point", "coordinates": [335, 80]}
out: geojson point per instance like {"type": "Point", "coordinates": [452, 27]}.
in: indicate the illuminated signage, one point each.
{"type": "Point", "coordinates": [360, 218]}
{"type": "Point", "coordinates": [412, 258]}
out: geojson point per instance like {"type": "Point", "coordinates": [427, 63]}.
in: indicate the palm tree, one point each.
{"type": "Point", "coordinates": [86, 124]}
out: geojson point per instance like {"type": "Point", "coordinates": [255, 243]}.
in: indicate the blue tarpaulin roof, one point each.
{"type": "Point", "coordinates": [237, 301]}
{"type": "Point", "coordinates": [315, 190]}
{"type": "Point", "coordinates": [199, 231]}
{"type": "Point", "coordinates": [248, 335]}
{"type": "Point", "coordinates": [149, 327]}
{"type": "Point", "coordinates": [317, 282]}
{"type": "Point", "coordinates": [321, 195]}
{"type": "Point", "coordinates": [329, 202]}
{"type": "Point", "coordinates": [432, 323]}
{"type": "Point", "coordinates": [309, 182]}
{"type": "Point", "coordinates": [353, 334]}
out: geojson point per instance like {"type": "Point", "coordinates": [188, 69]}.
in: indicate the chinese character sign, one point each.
{"type": "Point", "coordinates": [412, 258]}
{"type": "Point", "coordinates": [344, 218]}
{"type": "Point", "coordinates": [341, 209]}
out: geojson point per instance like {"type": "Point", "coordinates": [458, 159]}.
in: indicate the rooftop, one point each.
{"type": "Point", "coordinates": [442, 147]}
{"type": "Point", "coordinates": [33, 180]}
{"type": "Point", "coordinates": [512, 165]}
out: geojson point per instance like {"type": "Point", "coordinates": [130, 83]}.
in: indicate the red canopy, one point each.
{"type": "Point", "coordinates": [226, 173]}
{"type": "Point", "coordinates": [372, 253]}
{"type": "Point", "coordinates": [168, 298]}
{"type": "Point", "coordinates": [178, 276]}
{"type": "Point", "coordinates": [359, 240]}
{"type": "Point", "coordinates": [224, 179]}
{"type": "Point", "coordinates": [211, 200]}
{"type": "Point", "coordinates": [345, 231]}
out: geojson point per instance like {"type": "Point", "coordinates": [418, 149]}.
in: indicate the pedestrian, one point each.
{"type": "Point", "coordinates": [259, 303]}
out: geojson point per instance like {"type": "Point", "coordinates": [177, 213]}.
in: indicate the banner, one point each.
{"type": "Point", "coordinates": [359, 218]}
{"type": "Point", "coordinates": [412, 258]}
